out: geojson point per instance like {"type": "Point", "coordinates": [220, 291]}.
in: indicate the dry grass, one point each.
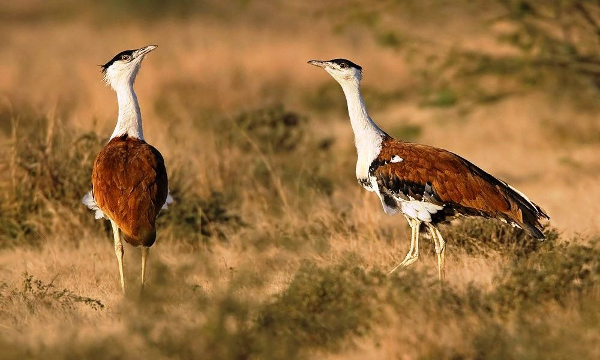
{"type": "Point", "coordinates": [271, 249]}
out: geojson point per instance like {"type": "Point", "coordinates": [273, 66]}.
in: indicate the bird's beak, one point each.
{"type": "Point", "coordinates": [318, 63]}
{"type": "Point", "coordinates": [143, 51]}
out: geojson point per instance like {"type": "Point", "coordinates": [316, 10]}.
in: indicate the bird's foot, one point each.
{"type": "Point", "coordinates": [408, 260]}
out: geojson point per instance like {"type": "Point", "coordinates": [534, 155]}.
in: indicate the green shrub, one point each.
{"type": "Point", "coordinates": [49, 173]}
{"type": "Point", "coordinates": [322, 307]}
{"type": "Point", "coordinates": [272, 128]}
{"type": "Point", "coordinates": [194, 219]}
{"type": "Point", "coordinates": [557, 275]}
{"type": "Point", "coordinates": [477, 236]}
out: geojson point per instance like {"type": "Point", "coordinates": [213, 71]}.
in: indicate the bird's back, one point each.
{"type": "Point", "coordinates": [130, 186]}
{"type": "Point", "coordinates": [440, 176]}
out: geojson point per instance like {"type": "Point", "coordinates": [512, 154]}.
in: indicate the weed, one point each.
{"type": "Point", "coordinates": [478, 236]}
{"type": "Point", "coordinates": [35, 295]}
{"type": "Point", "coordinates": [557, 275]}
{"type": "Point", "coordinates": [192, 216]}
{"type": "Point", "coordinates": [323, 306]}
{"type": "Point", "coordinates": [49, 173]}
{"type": "Point", "coordinates": [272, 128]}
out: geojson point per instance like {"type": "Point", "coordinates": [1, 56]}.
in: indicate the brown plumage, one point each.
{"type": "Point", "coordinates": [427, 185]}
{"type": "Point", "coordinates": [130, 186]}
{"type": "Point", "coordinates": [129, 179]}
{"type": "Point", "coordinates": [445, 178]}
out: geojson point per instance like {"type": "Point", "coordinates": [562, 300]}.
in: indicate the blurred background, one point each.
{"type": "Point", "coordinates": [261, 161]}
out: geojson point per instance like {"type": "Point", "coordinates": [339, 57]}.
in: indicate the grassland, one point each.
{"type": "Point", "coordinates": [271, 249]}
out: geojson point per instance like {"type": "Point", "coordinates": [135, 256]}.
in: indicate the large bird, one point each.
{"type": "Point", "coordinates": [426, 184]}
{"type": "Point", "coordinates": [129, 179]}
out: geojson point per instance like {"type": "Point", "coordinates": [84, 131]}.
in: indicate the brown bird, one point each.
{"type": "Point", "coordinates": [129, 179]}
{"type": "Point", "coordinates": [426, 184]}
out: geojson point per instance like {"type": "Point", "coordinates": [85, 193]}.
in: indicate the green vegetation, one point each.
{"type": "Point", "coordinates": [196, 219]}
{"type": "Point", "coordinates": [37, 298]}
{"type": "Point", "coordinates": [322, 306]}
{"type": "Point", "coordinates": [553, 45]}
{"type": "Point", "coordinates": [272, 129]}
{"type": "Point", "coordinates": [407, 132]}
{"type": "Point", "coordinates": [484, 237]}
{"type": "Point", "coordinates": [49, 172]}
{"type": "Point", "coordinates": [444, 97]}
{"type": "Point", "coordinates": [324, 309]}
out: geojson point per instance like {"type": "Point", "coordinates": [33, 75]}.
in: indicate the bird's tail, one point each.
{"type": "Point", "coordinates": [522, 211]}
{"type": "Point", "coordinates": [525, 212]}
{"type": "Point", "coordinates": [146, 238]}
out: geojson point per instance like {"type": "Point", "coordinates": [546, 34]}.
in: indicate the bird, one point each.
{"type": "Point", "coordinates": [428, 185]}
{"type": "Point", "coordinates": [130, 185]}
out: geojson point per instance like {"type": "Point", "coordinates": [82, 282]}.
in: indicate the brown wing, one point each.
{"type": "Point", "coordinates": [443, 177]}
{"type": "Point", "coordinates": [130, 186]}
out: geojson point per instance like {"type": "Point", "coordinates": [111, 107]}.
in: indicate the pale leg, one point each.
{"type": "Point", "coordinates": [145, 251]}
{"type": "Point", "coordinates": [413, 253]}
{"type": "Point", "coordinates": [119, 252]}
{"type": "Point", "coordinates": [441, 255]}
{"type": "Point", "coordinates": [415, 226]}
{"type": "Point", "coordinates": [440, 249]}
{"type": "Point", "coordinates": [412, 242]}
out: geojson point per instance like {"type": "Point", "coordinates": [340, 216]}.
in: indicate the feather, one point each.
{"type": "Point", "coordinates": [88, 200]}
{"type": "Point", "coordinates": [131, 187]}
{"type": "Point", "coordinates": [441, 178]}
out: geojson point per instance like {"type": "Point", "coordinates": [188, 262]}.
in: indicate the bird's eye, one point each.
{"type": "Point", "coordinates": [343, 66]}
{"type": "Point", "coordinates": [125, 57]}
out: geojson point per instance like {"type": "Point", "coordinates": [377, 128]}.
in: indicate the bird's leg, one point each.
{"type": "Point", "coordinates": [440, 249]}
{"type": "Point", "coordinates": [441, 255]}
{"type": "Point", "coordinates": [412, 243]}
{"type": "Point", "coordinates": [413, 253]}
{"type": "Point", "coordinates": [145, 251]}
{"type": "Point", "coordinates": [119, 252]}
{"type": "Point", "coordinates": [416, 226]}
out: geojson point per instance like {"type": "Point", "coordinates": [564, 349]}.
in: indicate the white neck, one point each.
{"type": "Point", "coordinates": [362, 124]}
{"type": "Point", "coordinates": [367, 135]}
{"type": "Point", "coordinates": [130, 117]}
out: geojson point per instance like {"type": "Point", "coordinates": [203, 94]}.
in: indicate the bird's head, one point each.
{"type": "Point", "coordinates": [342, 70]}
{"type": "Point", "coordinates": [122, 69]}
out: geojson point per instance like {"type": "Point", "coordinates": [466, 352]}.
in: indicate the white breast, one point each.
{"type": "Point", "coordinates": [420, 210]}
{"type": "Point", "coordinates": [368, 147]}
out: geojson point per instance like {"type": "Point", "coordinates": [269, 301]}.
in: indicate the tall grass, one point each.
{"type": "Point", "coordinates": [48, 171]}
{"type": "Point", "coordinates": [538, 307]}
{"type": "Point", "coordinates": [333, 299]}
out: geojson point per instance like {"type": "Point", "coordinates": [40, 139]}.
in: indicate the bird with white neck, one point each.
{"type": "Point", "coordinates": [129, 178]}
{"type": "Point", "coordinates": [427, 185]}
